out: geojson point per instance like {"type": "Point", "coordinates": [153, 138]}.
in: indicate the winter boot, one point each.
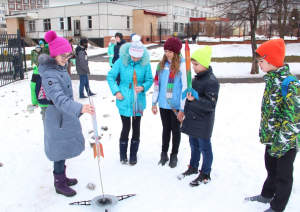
{"type": "Point", "coordinates": [190, 171]}
{"type": "Point", "coordinates": [202, 178]}
{"type": "Point", "coordinates": [134, 147]}
{"type": "Point", "coordinates": [123, 151]}
{"type": "Point", "coordinates": [258, 198]}
{"type": "Point", "coordinates": [92, 94]}
{"type": "Point", "coordinates": [173, 160]}
{"type": "Point", "coordinates": [163, 158]}
{"type": "Point", "coordinates": [61, 186]}
{"type": "Point", "coordinates": [269, 210]}
{"type": "Point", "coordinates": [70, 181]}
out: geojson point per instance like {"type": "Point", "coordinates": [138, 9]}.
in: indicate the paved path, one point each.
{"type": "Point", "coordinates": [221, 80]}
{"type": "Point", "coordinates": [103, 57]}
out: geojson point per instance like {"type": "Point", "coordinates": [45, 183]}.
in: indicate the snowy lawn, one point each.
{"type": "Point", "coordinates": [26, 179]}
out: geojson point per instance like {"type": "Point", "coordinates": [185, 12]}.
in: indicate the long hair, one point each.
{"type": "Point", "coordinates": [174, 66]}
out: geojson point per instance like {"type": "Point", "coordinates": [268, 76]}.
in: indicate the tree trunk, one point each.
{"type": "Point", "coordinates": [254, 68]}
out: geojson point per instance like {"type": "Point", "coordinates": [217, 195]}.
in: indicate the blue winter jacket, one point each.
{"type": "Point", "coordinates": [125, 66]}
{"type": "Point", "coordinates": [63, 137]}
{"type": "Point", "coordinates": [180, 84]}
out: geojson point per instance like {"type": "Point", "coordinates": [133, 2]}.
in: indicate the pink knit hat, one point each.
{"type": "Point", "coordinates": [173, 44]}
{"type": "Point", "coordinates": [57, 45]}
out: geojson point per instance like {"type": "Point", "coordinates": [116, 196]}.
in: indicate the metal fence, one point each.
{"type": "Point", "coordinates": [12, 58]}
{"type": "Point", "coordinates": [215, 29]}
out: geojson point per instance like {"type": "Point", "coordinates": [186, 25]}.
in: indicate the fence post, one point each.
{"type": "Point", "coordinates": [159, 33]}
{"type": "Point", "coordinates": [20, 55]}
{"type": "Point", "coordinates": [220, 30]}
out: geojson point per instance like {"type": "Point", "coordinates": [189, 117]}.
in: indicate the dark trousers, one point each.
{"type": "Point", "coordinates": [59, 166]}
{"type": "Point", "coordinates": [136, 123]}
{"type": "Point", "coordinates": [280, 178]}
{"type": "Point", "coordinates": [17, 71]}
{"type": "Point", "coordinates": [84, 82]}
{"type": "Point", "coordinates": [170, 124]}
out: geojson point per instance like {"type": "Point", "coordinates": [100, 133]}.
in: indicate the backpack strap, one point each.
{"type": "Point", "coordinates": [285, 85]}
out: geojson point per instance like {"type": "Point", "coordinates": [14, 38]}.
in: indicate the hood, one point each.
{"type": "Point", "coordinates": [124, 55]}
{"type": "Point", "coordinates": [46, 62]}
{"type": "Point", "coordinates": [121, 42]}
{"type": "Point", "coordinates": [79, 48]}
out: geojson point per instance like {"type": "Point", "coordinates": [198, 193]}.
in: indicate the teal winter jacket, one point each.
{"type": "Point", "coordinates": [110, 52]}
{"type": "Point", "coordinates": [125, 66]}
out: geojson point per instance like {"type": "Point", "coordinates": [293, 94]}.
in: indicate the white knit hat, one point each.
{"type": "Point", "coordinates": [112, 38]}
{"type": "Point", "coordinates": [136, 48]}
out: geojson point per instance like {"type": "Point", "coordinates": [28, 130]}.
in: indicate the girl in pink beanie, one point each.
{"type": "Point", "coordinates": [170, 82]}
{"type": "Point", "coordinates": [63, 138]}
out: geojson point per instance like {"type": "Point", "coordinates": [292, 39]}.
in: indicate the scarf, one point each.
{"type": "Point", "coordinates": [170, 85]}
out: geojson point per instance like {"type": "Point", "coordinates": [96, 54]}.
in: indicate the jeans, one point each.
{"type": "Point", "coordinates": [59, 166]}
{"type": "Point", "coordinates": [198, 147]}
{"type": "Point", "coordinates": [84, 82]}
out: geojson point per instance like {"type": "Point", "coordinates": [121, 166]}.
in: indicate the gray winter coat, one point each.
{"type": "Point", "coordinates": [63, 137]}
{"type": "Point", "coordinates": [82, 63]}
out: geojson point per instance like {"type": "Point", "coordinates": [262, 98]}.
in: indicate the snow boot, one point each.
{"type": "Point", "coordinates": [92, 94]}
{"type": "Point", "coordinates": [202, 178]}
{"type": "Point", "coordinates": [134, 147]}
{"type": "Point", "coordinates": [123, 151]}
{"type": "Point", "coordinates": [70, 181]}
{"type": "Point", "coordinates": [163, 158]}
{"type": "Point", "coordinates": [269, 210]}
{"type": "Point", "coordinates": [61, 186]}
{"type": "Point", "coordinates": [258, 198]}
{"type": "Point", "coordinates": [173, 160]}
{"type": "Point", "coordinates": [190, 171]}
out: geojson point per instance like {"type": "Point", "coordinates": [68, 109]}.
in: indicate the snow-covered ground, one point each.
{"type": "Point", "coordinates": [26, 179]}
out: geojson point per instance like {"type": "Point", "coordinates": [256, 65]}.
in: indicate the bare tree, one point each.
{"type": "Point", "coordinates": [249, 11]}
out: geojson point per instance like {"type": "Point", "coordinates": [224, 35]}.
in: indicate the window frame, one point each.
{"type": "Point", "coordinates": [175, 10]}
{"type": "Point", "coordinates": [47, 22]}
{"type": "Point", "coordinates": [61, 23]}
{"type": "Point", "coordinates": [187, 12]}
{"type": "Point", "coordinates": [90, 22]}
{"type": "Point", "coordinates": [31, 24]}
{"type": "Point", "coordinates": [128, 22]}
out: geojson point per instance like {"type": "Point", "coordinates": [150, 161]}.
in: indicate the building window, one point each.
{"type": "Point", "coordinates": [11, 6]}
{"type": "Point", "coordinates": [25, 1]}
{"type": "Point", "coordinates": [181, 11]}
{"type": "Point", "coordinates": [175, 10]}
{"type": "Point", "coordinates": [47, 25]}
{"type": "Point", "coordinates": [205, 14]}
{"type": "Point", "coordinates": [197, 13]}
{"type": "Point", "coordinates": [11, 0]}
{"type": "Point", "coordinates": [69, 24]}
{"type": "Point", "coordinates": [175, 27]}
{"type": "Point", "coordinates": [39, 2]}
{"type": "Point", "coordinates": [62, 23]}
{"type": "Point", "coordinates": [192, 13]}
{"type": "Point", "coordinates": [90, 22]}
{"type": "Point", "coordinates": [32, 1]}
{"type": "Point", "coordinates": [181, 27]}
{"type": "Point", "coordinates": [46, 3]}
{"type": "Point", "coordinates": [187, 12]}
{"type": "Point", "coordinates": [197, 1]}
{"type": "Point", "coordinates": [128, 23]}
{"type": "Point", "coordinates": [19, 6]}
{"type": "Point", "coordinates": [201, 14]}
{"type": "Point", "coordinates": [26, 7]}
{"type": "Point", "coordinates": [31, 26]}
{"type": "Point", "coordinates": [19, 1]}
{"type": "Point", "coordinates": [203, 2]}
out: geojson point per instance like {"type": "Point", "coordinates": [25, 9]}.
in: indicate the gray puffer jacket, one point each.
{"type": "Point", "coordinates": [63, 136]}
{"type": "Point", "coordinates": [82, 62]}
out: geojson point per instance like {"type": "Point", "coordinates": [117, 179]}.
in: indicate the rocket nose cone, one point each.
{"type": "Point", "coordinates": [187, 45]}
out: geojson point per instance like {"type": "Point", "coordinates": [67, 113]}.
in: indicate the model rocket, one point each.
{"type": "Point", "coordinates": [188, 73]}
{"type": "Point", "coordinates": [137, 105]}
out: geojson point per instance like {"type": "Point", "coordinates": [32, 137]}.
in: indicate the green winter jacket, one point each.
{"type": "Point", "coordinates": [34, 100]}
{"type": "Point", "coordinates": [280, 121]}
{"type": "Point", "coordinates": [34, 57]}
{"type": "Point", "coordinates": [45, 50]}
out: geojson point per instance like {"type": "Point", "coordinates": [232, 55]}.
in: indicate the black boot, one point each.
{"type": "Point", "coordinates": [202, 178]}
{"type": "Point", "coordinates": [163, 158]}
{"type": "Point", "coordinates": [190, 171]}
{"type": "Point", "coordinates": [123, 151]}
{"type": "Point", "coordinates": [134, 147]}
{"type": "Point", "coordinates": [173, 160]}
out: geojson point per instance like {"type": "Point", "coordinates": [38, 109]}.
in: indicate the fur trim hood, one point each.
{"type": "Point", "coordinates": [125, 57]}
{"type": "Point", "coordinates": [47, 62]}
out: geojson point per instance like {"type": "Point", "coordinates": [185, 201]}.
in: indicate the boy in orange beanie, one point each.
{"type": "Point", "coordinates": [279, 128]}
